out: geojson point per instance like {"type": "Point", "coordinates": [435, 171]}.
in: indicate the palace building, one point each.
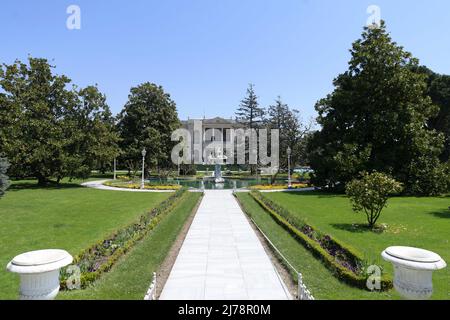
{"type": "Point", "coordinates": [207, 131]}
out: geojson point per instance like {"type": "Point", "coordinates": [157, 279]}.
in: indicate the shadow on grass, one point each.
{"type": "Point", "coordinates": [357, 228]}
{"type": "Point", "coordinates": [444, 214]}
{"type": "Point", "coordinates": [319, 194]}
{"type": "Point", "coordinates": [102, 175]}
{"type": "Point", "coordinates": [30, 185]}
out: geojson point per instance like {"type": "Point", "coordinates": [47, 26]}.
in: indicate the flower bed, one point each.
{"type": "Point", "coordinates": [278, 186]}
{"type": "Point", "coordinates": [345, 262]}
{"type": "Point", "coordinates": [99, 258]}
{"type": "Point", "coordinates": [137, 185]}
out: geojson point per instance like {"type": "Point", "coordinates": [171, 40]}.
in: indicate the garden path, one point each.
{"type": "Point", "coordinates": [222, 257]}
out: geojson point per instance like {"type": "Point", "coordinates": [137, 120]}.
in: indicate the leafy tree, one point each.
{"type": "Point", "coordinates": [33, 109]}
{"type": "Point", "coordinates": [439, 91]}
{"type": "Point", "coordinates": [147, 121]}
{"type": "Point", "coordinates": [370, 194]}
{"type": "Point", "coordinates": [292, 131]}
{"type": "Point", "coordinates": [48, 130]}
{"type": "Point", "coordinates": [4, 182]}
{"type": "Point", "coordinates": [97, 144]}
{"type": "Point", "coordinates": [376, 119]}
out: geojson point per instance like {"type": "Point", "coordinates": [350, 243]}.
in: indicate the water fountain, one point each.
{"type": "Point", "coordinates": [217, 159]}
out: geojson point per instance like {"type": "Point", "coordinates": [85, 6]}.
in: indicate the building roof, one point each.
{"type": "Point", "coordinates": [216, 120]}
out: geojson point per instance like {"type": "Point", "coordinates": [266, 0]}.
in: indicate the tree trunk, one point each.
{"type": "Point", "coordinates": [42, 181]}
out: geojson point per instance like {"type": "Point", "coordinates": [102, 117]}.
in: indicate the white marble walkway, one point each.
{"type": "Point", "coordinates": [222, 258]}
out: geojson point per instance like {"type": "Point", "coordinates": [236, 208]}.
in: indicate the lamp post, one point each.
{"type": "Point", "coordinates": [289, 151]}
{"type": "Point", "coordinates": [144, 152]}
{"type": "Point", "coordinates": [115, 175]}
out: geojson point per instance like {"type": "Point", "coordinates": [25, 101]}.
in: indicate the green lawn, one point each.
{"type": "Point", "coordinates": [68, 217]}
{"type": "Point", "coordinates": [131, 276]}
{"type": "Point", "coordinates": [417, 222]}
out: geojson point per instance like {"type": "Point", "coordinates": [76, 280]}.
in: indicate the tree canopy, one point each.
{"type": "Point", "coordinates": [439, 91]}
{"type": "Point", "coordinates": [292, 132]}
{"type": "Point", "coordinates": [147, 121]}
{"type": "Point", "coordinates": [51, 130]}
{"type": "Point", "coordinates": [376, 120]}
{"type": "Point", "coordinates": [4, 182]}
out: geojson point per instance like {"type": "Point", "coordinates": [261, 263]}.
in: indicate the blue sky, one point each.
{"type": "Point", "coordinates": [205, 52]}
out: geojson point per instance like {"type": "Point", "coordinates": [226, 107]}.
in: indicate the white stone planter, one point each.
{"type": "Point", "coordinates": [39, 273]}
{"type": "Point", "coordinates": [413, 270]}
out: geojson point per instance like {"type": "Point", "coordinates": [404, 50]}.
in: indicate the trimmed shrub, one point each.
{"type": "Point", "coordinates": [370, 194]}
{"type": "Point", "coordinates": [100, 257]}
{"type": "Point", "coordinates": [137, 185]}
{"type": "Point", "coordinates": [342, 260]}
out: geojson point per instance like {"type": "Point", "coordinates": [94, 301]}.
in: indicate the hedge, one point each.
{"type": "Point", "coordinates": [137, 185]}
{"type": "Point", "coordinates": [100, 257]}
{"type": "Point", "coordinates": [346, 263]}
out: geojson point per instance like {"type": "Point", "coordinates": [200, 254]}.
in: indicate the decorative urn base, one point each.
{"type": "Point", "coordinates": [413, 270]}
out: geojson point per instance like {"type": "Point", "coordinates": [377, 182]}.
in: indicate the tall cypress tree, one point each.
{"type": "Point", "coordinates": [376, 119]}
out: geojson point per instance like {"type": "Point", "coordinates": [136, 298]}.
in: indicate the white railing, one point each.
{"type": "Point", "coordinates": [303, 292]}
{"type": "Point", "coordinates": [151, 292]}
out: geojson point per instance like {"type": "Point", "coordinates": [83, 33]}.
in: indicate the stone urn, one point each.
{"type": "Point", "coordinates": [413, 270]}
{"type": "Point", "coordinates": [39, 273]}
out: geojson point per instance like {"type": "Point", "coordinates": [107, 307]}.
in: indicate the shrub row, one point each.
{"type": "Point", "coordinates": [99, 258]}
{"type": "Point", "coordinates": [342, 260]}
{"type": "Point", "coordinates": [137, 185]}
{"type": "Point", "coordinates": [278, 186]}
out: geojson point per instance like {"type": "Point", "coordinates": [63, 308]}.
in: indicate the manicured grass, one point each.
{"type": "Point", "coordinates": [67, 217]}
{"type": "Point", "coordinates": [320, 281]}
{"type": "Point", "coordinates": [131, 276]}
{"type": "Point", "coordinates": [411, 221]}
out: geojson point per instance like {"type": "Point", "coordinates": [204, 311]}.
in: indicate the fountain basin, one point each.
{"type": "Point", "coordinates": [413, 270]}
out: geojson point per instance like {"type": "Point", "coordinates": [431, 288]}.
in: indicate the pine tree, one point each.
{"type": "Point", "coordinates": [251, 116]}
{"type": "Point", "coordinates": [249, 113]}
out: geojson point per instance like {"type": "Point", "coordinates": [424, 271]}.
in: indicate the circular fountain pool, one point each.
{"type": "Point", "coordinates": [210, 184]}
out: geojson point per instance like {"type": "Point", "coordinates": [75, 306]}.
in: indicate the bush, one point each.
{"type": "Point", "coordinates": [370, 194]}
{"type": "Point", "coordinates": [278, 186]}
{"type": "Point", "coordinates": [137, 185]}
{"type": "Point", "coordinates": [4, 182]}
{"type": "Point", "coordinates": [100, 257]}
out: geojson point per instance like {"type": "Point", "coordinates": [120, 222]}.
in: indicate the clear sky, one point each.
{"type": "Point", "coordinates": [205, 52]}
